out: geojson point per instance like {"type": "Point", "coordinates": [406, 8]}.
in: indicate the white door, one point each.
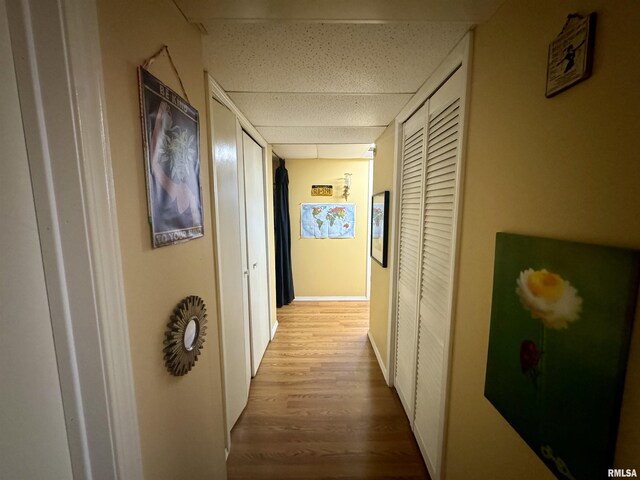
{"type": "Point", "coordinates": [232, 298]}
{"type": "Point", "coordinates": [33, 435]}
{"type": "Point", "coordinates": [441, 193]}
{"type": "Point", "coordinates": [411, 201]}
{"type": "Point", "coordinates": [256, 234]}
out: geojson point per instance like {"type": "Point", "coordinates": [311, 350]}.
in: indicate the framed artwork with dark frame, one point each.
{"type": "Point", "coordinates": [571, 54]}
{"type": "Point", "coordinates": [171, 141]}
{"type": "Point", "coordinates": [380, 227]}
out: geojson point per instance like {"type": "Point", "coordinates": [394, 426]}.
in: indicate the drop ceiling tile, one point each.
{"type": "Point", "coordinates": [333, 58]}
{"type": "Point", "coordinates": [317, 135]}
{"type": "Point", "coordinates": [358, 150]}
{"type": "Point", "coordinates": [295, 109]}
{"type": "Point", "coordinates": [296, 151]}
{"type": "Point", "coordinates": [339, 10]}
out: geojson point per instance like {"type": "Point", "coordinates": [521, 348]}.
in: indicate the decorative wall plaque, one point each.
{"type": "Point", "coordinates": [571, 54]}
{"type": "Point", "coordinates": [322, 190]}
{"type": "Point", "coordinates": [185, 335]}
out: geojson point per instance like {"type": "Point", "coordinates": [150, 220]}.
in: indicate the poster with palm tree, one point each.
{"type": "Point", "coordinates": [172, 158]}
{"type": "Point", "coordinates": [561, 319]}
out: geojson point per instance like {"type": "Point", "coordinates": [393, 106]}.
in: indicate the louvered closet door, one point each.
{"type": "Point", "coordinates": [411, 206]}
{"type": "Point", "coordinates": [438, 243]}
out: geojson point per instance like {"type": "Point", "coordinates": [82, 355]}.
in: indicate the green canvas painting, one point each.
{"type": "Point", "coordinates": [561, 320]}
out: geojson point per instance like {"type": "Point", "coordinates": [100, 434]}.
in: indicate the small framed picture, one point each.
{"type": "Point", "coordinates": [571, 54]}
{"type": "Point", "coordinates": [380, 227]}
{"type": "Point", "coordinates": [171, 141]}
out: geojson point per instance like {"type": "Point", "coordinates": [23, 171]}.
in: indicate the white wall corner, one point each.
{"type": "Point", "coordinates": [59, 71]}
{"type": "Point", "coordinates": [86, 60]}
{"type": "Point", "coordinates": [274, 327]}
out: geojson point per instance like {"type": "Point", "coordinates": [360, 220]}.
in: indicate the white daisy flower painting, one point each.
{"type": "Point", "coordinates": [550, 298]}
{"type": "Point", "coordinates": [561, 320]}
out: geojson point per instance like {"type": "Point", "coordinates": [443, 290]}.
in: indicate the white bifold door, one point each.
{"type": "Point", "coordinates": [241, 255]}
{"type": "Point", "coordinates": [411, 201]}
{"type": "Point", "coordinates": [429, 203]}
{"type": "Point", "coordinates": [233, 307]}
{"type": "Point", "coordinates": [256, 239]}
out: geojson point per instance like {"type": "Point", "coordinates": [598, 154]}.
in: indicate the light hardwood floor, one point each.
{"type": "Point", "coordinates": [319, 406]}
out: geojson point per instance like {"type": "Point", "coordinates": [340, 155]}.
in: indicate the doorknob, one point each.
{"type": "Point", "coordinates": [245, 273]}
{"type": "Point", "coordinates": [255, 265]}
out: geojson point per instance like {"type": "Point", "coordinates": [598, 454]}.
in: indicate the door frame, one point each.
{"type": "Point", "coordinates": [459, 59]}
{"type": "Point", "coordinates": [220, 272]}
{"type": "Point", "coordinates": [59, 74]}
{"type": "Point", "coordinates": [216, 93]}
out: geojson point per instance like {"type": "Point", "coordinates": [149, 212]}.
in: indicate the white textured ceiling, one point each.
{"type": "Point", "coordinates": [327, 58]}
{"type": "Point", "coordinates": [354, 11]}
{"type": "Point", "coordinates": [329, 135]}
{"type": "Point", "coordinates": [319, 110]}
{"type": "Point", "coordinates": [313, 72]}
{"type": "Point", "coordinates": [323, 151]}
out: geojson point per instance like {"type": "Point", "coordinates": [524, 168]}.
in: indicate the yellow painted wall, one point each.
{"type": "Point", "coordinates": [380, 277]}
{"type": "Point", "coordinates": [181, 419]}
{"type": "Point", "coordinates": [329, 267]}
{"type": "Point", "coordinates": [565, 168]}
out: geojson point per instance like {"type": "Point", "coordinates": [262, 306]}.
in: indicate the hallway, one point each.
{"type": "Point", "coordinates": [319, 406]}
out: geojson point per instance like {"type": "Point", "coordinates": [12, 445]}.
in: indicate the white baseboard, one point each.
{"type": "Point", "coordinates": [379, 357]}
{"type": "Point", "coordinates": [330, 299]}
{"type": "Point", "coordinates": [274, 327]}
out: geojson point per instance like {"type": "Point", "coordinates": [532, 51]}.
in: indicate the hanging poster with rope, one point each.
{"type": "Point", "coordinates": [172, 159]}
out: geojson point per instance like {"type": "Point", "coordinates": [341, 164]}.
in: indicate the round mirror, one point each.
{"type": "Point", "coordinates": [184, 336]}
{"type": "Point", "coordinates": [190, 333]}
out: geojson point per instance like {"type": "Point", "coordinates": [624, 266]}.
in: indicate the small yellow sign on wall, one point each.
{"type": "Point", "coordinates": [321, 190]}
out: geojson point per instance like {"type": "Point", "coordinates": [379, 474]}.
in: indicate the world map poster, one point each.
{"type": "Point", "coordinates": [327, 220]}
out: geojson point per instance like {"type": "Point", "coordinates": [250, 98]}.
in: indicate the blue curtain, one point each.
{"type": "Point", "coordinates": [284, 275]}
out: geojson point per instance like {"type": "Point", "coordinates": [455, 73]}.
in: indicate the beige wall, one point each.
{"type": "Point", "coordinates": [181, 420]}
{"type": "Point", "coordinates": [329, 267]}
{"type": "Point", "coordinates": [380, 277]}
{"type": "Point", "coordinates": [565, 168]}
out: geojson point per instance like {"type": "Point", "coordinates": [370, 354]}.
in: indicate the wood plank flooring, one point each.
{"type": "Point", "coordinates": [319, 406]}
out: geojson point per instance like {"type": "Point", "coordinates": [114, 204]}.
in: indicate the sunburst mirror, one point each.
{"type": "Point", "coordinates": [185, 335]}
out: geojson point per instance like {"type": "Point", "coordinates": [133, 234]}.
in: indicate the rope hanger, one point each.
{"type": "Point", "coordinates": [570, 17]}
{"type": "Point", "coordinates": [165, 48]}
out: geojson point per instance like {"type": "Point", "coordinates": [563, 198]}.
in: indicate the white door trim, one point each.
{"type": "Point", "coordinates": [369, 208]}
{"type": "Point", "coordinates": [231, 286]}
{"type": "Point", "coordinates": [59, 72]}
{"type": "Point", "coordinates": [459, 58]}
